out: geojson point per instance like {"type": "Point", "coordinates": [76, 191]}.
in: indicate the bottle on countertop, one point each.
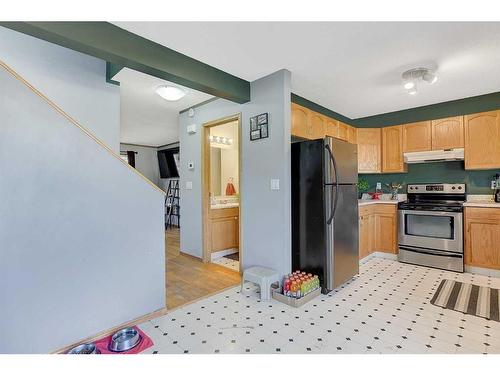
{"type": "Point", "coordinates": [497, 188]}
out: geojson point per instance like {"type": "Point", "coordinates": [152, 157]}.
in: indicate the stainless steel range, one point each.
{"type": "Point", "coordinates": [431, 226]}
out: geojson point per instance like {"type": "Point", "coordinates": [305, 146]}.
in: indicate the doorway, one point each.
{"type": "Point", "coordinates": [221, 150]}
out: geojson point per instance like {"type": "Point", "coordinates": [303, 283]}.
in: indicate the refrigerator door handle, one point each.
{"type": "Point", "coordinates": [336, 184]}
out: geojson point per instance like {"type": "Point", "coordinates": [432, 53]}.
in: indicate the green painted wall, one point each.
{"type": "Point", "coordinates": [478, 182]}
{"type": "Point", "coordinates": [474, 104]}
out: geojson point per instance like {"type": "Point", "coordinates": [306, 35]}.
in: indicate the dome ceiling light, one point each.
{"type": "Point", "coordinates": [170, 93]}
{"type": "Point", "coordinates": [413, 76]}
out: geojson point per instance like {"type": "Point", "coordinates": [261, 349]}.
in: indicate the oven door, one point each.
{"type": "Point", "coordinates": [431, 229]}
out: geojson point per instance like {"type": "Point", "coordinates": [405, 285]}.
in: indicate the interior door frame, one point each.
{"type": "Point", "coordinates": [205, 153]}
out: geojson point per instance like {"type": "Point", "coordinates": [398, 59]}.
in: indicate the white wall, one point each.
{"type": "Point", "coordinates": [265, 213]}
{"type": "Point", "coordinates": [74, 81]}
{"type": "Point", "coordinates": [146, 160]}
{"type": "Point", "coordinates": [81, 234]}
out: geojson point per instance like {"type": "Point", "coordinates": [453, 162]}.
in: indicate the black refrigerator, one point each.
{"type": "Point", "coordinates": [325, 210]}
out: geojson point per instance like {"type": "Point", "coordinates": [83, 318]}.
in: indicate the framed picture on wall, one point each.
{"type": "Point", "coordinates": [259, 127]}
{"type": "Point", "coordinates": [253, 124]}
{"type": "Point", "coordinates": [263, 131]}
{"type": "Point", "coordinates": [254, 135]}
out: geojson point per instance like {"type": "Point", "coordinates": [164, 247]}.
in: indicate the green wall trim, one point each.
{"type": "Point", "coordinates": [320, 109]}
{"type": "Point", "coordinates": [123, 48]}
{"type": "Point", "coordinates": [474, 104]}
{"type": "Point", "coordinates": [111, 71]}
{"type": "Point", "coordinates": [478, 182]}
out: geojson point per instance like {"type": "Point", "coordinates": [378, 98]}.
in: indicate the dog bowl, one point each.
{"type": "Point", "coordinates": [87, 348]}
{"type": "Point", "coordinates": [125, 339]}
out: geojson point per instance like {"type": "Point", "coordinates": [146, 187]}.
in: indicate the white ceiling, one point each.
{"type": "Point", "coordinates": [352, 68]}
{"type": "Point", "coordinates": [146, 118]}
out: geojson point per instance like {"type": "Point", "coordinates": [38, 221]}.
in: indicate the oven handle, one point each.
{"type": "Point", "coordinates": [439, 254]}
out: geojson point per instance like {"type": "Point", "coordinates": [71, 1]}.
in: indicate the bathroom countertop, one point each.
{"type": "Point", "coordinates": [219, 206]}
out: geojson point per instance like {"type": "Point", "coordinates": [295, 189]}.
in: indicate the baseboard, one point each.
{"type": "Point", "coordinates": [378, 254]}
{"type": "Point", "coordinates": [191, 256]}
{"type": "Point", "coordinates": [222, 253]}
{"type": "Point", "coordinates": [469, 269]}
{"type": "Point", "coordinates": [483, 271]}
{"type": "Point", "coordinates": [107, 332]}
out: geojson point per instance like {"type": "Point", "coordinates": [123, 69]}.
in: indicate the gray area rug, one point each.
{"type": "Point", "coordinates": [467, 298]}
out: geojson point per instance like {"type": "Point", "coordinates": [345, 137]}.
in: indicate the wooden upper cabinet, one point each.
{"type": "Point", "coordinates": [417, 136]}
{"type": "Point", "coordinates": [392, 149]}
{"type": "Point", "coordinates": [316, 125]}
{"type": "Point", "coordinates": [448, 133]}
{"type": "Point", "coordinates": [343, 131]}
{"type": "Point", "coordinates": [300, 121]}
{"type": "Point", "coordinates": [369, 150]}
{"type": "Point", "coordinates": [482, 140]}
{"type": "Point", "coordinates": [482, 237]}
{"type": "Point", "coordinates": [352, 135]}
{"type": "Point", "coordinates": [331, 127]}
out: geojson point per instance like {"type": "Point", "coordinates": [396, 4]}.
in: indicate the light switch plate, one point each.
{"type": "Point", "coordinates": [275, 184]}
{"type": "Point", "coordinates": [379, 186]}
{"type": "Point", "coordinates": [191, 129]}
{"type": "Point", "coordinates": [189, 185]}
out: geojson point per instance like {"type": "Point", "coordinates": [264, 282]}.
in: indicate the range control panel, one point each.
{"type": "Point", "coordinates": [436, 189]}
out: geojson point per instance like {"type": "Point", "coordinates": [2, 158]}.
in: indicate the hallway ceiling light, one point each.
{"type": "Point", "coordinates": [170, 93]}
{"type": "Point", "coordinates": [413, 76]}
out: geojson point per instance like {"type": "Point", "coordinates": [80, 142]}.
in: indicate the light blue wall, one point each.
{"type": "Point", "coordinates": [82, 246]}
{"type": "Point", "coordinates": [146, 160]}
{"type": "Point", "coordinates": [265, 213]}
{"type": "Point", "coordinates": [74, 81]}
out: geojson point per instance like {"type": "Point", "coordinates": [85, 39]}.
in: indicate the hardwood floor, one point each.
{"type": "Point", "coordinates": [188, 278]}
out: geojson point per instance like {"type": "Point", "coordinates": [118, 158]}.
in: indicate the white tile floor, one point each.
{"type": "Point", "coordinates": [385, 309]}
{"type": "Point", "coordinates": [229, 263]}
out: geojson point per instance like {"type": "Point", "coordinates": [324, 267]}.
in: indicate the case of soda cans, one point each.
{"type": "Point", "coordinates": [298, 288]}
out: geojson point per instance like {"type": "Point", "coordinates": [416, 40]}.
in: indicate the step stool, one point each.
{"type": "Point", "coordinates": [262, 276]}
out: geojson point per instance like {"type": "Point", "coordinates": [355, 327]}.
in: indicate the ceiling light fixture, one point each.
{"type": "Point", "coordinates": [220, 140]}
{"type": "Point", "coordinates": [413, 76]}
{"type": "Point", "coordinates": [170, 93]}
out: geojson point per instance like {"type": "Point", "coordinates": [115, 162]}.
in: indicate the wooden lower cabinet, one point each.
{"type": "Point", "coordinates": [482, 237]}
{"type": "Point", "coordinates": [386, 226]}
{"type": "Point", "coordinates": [377, 229]}
{"type": "Point", "coordinates": [224, 229]}
{"type": "Point", "coordinates": [366, 232]}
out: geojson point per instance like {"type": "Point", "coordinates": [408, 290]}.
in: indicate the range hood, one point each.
{"type": "Point", "coordinates": [434, 156]}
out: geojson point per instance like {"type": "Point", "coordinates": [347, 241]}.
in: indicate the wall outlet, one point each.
{"type": "Point", "coordinates": [189, 185]}
{"type": "Point", "coordinates": [379, 186]}
{"type": "Point", "coordinates": [493, 184]}
{"type": "Point", "coordinates": [275, 184]}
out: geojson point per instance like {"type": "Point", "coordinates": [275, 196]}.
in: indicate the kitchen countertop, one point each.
{"type": "Point", "coordinates": [365, 202]}
{"type": "Point", "coordinates": [384, 199]}
{"type": "Point", "coordinates": [481, 201]}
